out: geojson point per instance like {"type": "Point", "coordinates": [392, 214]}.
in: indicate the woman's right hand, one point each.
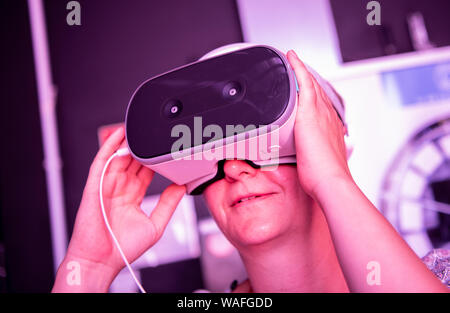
{"type": "Point", "coordinates": [92, 251]}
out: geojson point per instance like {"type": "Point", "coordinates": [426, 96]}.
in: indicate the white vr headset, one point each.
{"type": "Point", "coordinates": [237, 102]}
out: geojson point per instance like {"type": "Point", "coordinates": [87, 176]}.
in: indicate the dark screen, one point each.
{"type": "Point", "coordinates": [246, 87]}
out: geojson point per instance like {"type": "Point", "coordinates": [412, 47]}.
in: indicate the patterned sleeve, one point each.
{"type": "Point", "coordinates": [438, 261]}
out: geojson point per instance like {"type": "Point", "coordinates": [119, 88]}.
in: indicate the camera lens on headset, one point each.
{"type": "Point", "coordinates": [172, 108]}
{"type": "Point", "coordinates": [232, 90]}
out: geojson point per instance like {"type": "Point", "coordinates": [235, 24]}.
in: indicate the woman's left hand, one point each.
{"type": "Point", "coordinates": [319, 133]}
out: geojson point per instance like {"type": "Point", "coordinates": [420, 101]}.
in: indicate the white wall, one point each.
{"type": "Point", "coordinates": [307, 26]}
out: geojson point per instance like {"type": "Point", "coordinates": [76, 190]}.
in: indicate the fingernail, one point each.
{"type": "Point", "coordinates": [295, 54]}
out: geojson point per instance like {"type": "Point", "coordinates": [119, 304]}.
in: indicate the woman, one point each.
{"type": "Point", "coordinates": [303, 228]}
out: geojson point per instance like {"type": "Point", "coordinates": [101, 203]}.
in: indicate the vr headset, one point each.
{"type": "Point", "coordinates": [237, 102]}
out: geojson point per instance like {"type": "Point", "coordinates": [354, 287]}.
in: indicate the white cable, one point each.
{"type": "Point", "coordinates": [119, 153]}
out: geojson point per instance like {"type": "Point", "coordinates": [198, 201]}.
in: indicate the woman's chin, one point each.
{"type": "Point", "coordinates": [256, 232]}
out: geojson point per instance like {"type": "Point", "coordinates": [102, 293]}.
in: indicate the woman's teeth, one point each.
{"type": "Point", "coordinates": [245, 199]}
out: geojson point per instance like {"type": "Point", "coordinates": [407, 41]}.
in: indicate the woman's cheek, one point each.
{"type": "Point", "coordinates": [214, 198]}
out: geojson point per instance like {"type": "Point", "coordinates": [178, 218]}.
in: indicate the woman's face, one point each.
{"type": "Point", "coordinates": [276, 207]}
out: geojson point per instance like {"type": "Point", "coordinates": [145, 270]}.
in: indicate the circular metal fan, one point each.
{"type": "Point", "coordinates": [415, 194]}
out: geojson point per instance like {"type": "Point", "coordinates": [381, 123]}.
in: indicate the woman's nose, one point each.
{"type": "Point", "coordinates": [237, 169]}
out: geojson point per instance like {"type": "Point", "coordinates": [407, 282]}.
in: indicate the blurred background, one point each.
{"type": "Point", "coordinates": [66, 80]}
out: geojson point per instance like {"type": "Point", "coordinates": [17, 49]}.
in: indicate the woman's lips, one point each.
{"type": "Point", "coordinates": [251, 199]}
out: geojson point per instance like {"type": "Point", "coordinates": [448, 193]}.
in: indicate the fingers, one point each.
{"type": "Point", "coordinates": [119, 164]}
{"type": "Point", "coordinates": [106, 150]}
{"type": "Point", "coordinates": [167, 203]}
{"type": "Point", "coordinates": [304, 79]}
{"type": "Point", "coordinates": [134, 167]}
{"type": "Point", "coordinates": [311, 92]}
{"type": "Point", "coordinates": [145, 175]}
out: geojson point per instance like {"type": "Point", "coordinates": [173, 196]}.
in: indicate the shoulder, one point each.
{"type": "Point", "coordinates": [438, 261]}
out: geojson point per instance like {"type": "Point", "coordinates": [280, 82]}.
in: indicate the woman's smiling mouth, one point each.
{"type": "Point", "coordinates": [250, 199]}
